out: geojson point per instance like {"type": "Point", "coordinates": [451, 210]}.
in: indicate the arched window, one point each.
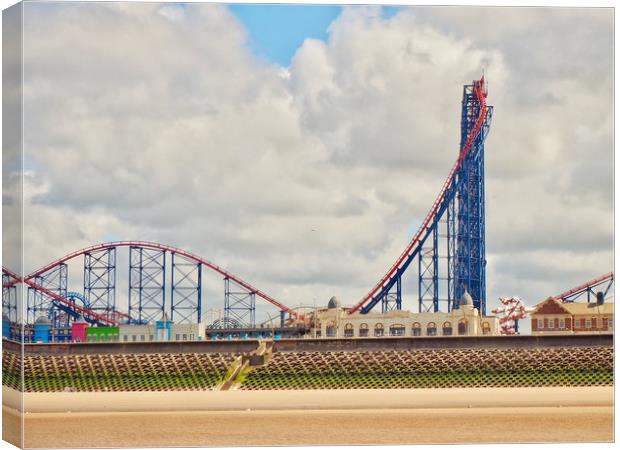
{"type": "Point", "coordinates": [348, 330]}
{"type": "Point", "coordinates": [416, 330]}
{"type": "Point", "coordinates": [446, 329]}
{"type": "Point", "coordinates": [486, 328]}
{"type": "Point", "coordinates": [363, 330]}
{"type": "Point", "coordinates": [330, 330]}
{"type": "Point", "coordinates": [379, 329]}
{"type": "Point", "coordinates": [431, 329]}
{"type": "Point", "coordinates": [397, 330]}
{"type": "Point", "coordinates": [462, 327]}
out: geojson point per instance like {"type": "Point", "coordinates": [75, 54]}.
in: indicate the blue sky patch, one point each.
{"type": "Point", "coordinates": [277, 31]}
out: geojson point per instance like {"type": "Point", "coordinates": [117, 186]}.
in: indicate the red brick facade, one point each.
{"type": "Point", "coordinates": [552, 316]}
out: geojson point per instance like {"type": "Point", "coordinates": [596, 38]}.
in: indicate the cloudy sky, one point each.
{"type": "Point", "coordinates": [300, 147]}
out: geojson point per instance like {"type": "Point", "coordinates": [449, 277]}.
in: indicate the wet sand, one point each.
{"type": "Point", "coordinates": [307, 427]}
{"type": "Point", "coordinates": [225, 418]}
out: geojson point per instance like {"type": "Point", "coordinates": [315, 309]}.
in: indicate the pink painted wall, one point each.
{"type": "Point", "coordinates": [78, 331]}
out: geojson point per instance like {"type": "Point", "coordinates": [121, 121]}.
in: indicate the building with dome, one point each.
{"type": "Point", "coordinates": [463, 321]}
{"type": "Point", "coordinates": [42, 329]}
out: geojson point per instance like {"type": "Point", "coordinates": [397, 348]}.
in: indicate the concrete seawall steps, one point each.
{"type": "Point", "coordinates": [245, 363]}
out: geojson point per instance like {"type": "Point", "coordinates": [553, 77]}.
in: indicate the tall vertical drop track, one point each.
{"type": "Point", "coordinates": [449, 249]}
{"type": "Point", "coordinates": [450, 244]}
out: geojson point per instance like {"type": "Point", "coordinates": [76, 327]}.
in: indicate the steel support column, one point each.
{"type": "Point", "coordinates": [428, 273]}
{"type": "Point", "coordinates": [186, 290]}
{"type": "Point", "coordinates": [239, 303]}
{"type": "Point", "coordinates": [100, 280]}
{"type": "Point", "coordinates": [147, 284]}
{"type": "Point", "coordinates": [392, 300]}
{"type": "Point", "coordinates": [451, 252]}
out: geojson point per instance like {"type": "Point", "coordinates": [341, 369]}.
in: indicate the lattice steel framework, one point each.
{"type": "Point", "coordinates": [450, 245]}
{"type": "Point", "coordinates": [186, 292]}
{"type": "Point", "coordinates": [9, 298]}
{"type": "Point", "coordinates": [239, 303]}
{"type": "Point", "coordinates": [469, 273]}
{"type": "Point", "coordinates": [148, 271]}
{"type": "Point", "coordinates": [428, 272]}
{"type": "Point", "coordinates": [392, 300]}
{"type": "Point", "coordinates": [38, 303]}
{"type": "Point", "coordinates": [147, 284]}
{"type": "Point", "coordinates": [100, 280]}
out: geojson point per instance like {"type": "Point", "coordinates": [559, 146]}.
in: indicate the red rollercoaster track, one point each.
{"type": "Point", "coordinates": [151, 245]}
{"type": "Point", "coordinates": [481, 94]}
{"type": "Point", "coordinates": [585, 286]}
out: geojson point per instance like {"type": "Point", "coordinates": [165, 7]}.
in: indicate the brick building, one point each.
{"type": "Point", "coordinates": [554, 317]}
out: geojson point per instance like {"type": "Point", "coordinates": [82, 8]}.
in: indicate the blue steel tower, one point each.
{"type": "Point", "coordinates": [470, 258]}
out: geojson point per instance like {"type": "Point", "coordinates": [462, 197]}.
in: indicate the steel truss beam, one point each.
{"type": "Point", "coordinates": [147, 284]}
{"type": "Point", "coordinates": [239, 303]}
{"type": "Point", "coordinates": [9, 298]}
{"type": "Point", "coordinates": [100, 280]}
{"type": "Point", "coordinates": [186, 292]}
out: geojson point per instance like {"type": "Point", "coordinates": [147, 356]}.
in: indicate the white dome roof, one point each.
{"type": "Point", "coordinates": [466, 299]}
{"type": "Point", "coordinates": [43, 320]}
{"type": "Point", "coordinates": [333, 303]}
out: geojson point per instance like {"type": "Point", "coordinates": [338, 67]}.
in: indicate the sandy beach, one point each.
{"type": "Point", "coordinates": [307, 427]}
{"type": "Point", "coordinates": [216, 418]}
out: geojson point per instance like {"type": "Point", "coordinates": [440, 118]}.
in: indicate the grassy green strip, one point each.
{"type": "Point", "coordinates": [256, 380]}
{"type": "Point", "coordinates": [203, 380]}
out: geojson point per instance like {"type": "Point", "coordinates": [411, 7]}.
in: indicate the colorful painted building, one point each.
{"type": "Point", "coordinates": [41, 330]}
{"type": "Point", "coordinates": [78, 331]}
{"type": "Point", "coordinates": [102, 334]}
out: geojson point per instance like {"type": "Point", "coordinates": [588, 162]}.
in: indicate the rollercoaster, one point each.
{"type": "Point", "coordinates": [446, 255]}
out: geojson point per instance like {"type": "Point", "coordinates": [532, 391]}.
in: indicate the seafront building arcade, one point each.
{"type": "Point", "coordinates": [466, 320]}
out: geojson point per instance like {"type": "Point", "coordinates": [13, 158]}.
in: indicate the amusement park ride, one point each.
{"type": "Point", "coordinates": [447, 252]}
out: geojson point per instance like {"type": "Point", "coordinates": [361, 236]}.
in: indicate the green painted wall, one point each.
{"type": "Point", "coordinates": [101, 334]}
